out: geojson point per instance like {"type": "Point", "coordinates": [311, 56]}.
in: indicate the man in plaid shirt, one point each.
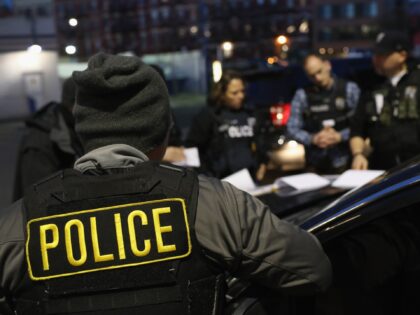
{"type": "Point", "coordinates": [320, 117]}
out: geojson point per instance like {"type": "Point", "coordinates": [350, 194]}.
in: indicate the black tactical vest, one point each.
{"type": "Point", "coordinates": [232, 142]}
{"type": "Point", "coordinates": [394, 121]}
{"type": "Point", "coordinates": [121, 243]}
{"type": "Point", "coordinates": [326, 107]}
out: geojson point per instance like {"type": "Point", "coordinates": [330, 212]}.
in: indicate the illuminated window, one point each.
{"type": "Point", "coordinates": [349, 10]}
{"type": "Point", "coordinates": [325, 11]}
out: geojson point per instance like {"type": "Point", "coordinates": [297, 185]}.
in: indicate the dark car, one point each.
{"type": "Point", "coordinates": [372, 237]}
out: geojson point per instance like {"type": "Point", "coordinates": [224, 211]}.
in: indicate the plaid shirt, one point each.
{"type": "Point", "coordinates": [296, 123]}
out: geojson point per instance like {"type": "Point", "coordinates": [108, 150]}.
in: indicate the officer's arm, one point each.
{"type": "Point", "coordinates": [295, 124]}
{"type": "Point", "coordinates": [241, 234]}
{"type": "Point", "coordinates": [357, 147]}
{"type": "Point", "coordinates": [12, 258]}
{"type": "Point", "coordinates": [357, 134]}
{"type": "Point", "coordinates": [359, 120]}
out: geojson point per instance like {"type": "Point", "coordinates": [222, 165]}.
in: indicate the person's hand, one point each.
{"type": "Point", "coordinates": [320, 139]}
{"type": "Point", "coordinates": [174, 154]}
{"type": "Point", "coordinates": [326, 137]}
{"type": "Point", "coordinates": [332, 136]}
{"type": "Point", "coordinates": [262, 169]}
{"type": "Point", "coordinates": [360, 162]}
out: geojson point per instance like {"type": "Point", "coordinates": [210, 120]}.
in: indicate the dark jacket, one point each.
{"type": "Point", "coordinates": [49, 144]}
{"type": "Point", "coordinates": [390, 117]}
{"type": "Point", "coordinates": [225, 139]}
{"type": "Point", "coordinates": [236, 232]}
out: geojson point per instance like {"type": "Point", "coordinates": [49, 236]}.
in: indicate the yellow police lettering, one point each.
{"type": "Point", "coordinates": [119, 235]}
{"type": "Point", "coordinates": [159, 230]}
{"type": "Point", "coordinates": [95, 243]}
{"type": "Point", "coordinates": [45, 246]}
{"type": "Point", "coordinates": [132, 233]}
{"type": "Point", "coordinates": [82, 244]}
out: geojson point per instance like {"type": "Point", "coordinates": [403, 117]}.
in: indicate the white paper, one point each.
{"type": "Point", "coordinates": [192, 158]}
{"type": "Point", "coordinates": [356, 178]}
{"type": "Point", "coordinates": [306, 181]}
{"type": "Point", "coordinates": [241, 180]}
{"type": "Point", "coordinates": [262, 190]}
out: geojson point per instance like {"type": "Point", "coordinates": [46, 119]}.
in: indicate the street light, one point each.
{"type": "Point", "coordinates": [304, 27]}
{"type": "Point", "coordinates": [73, 22]}
{"type": "Point", "coordinates": [281, 40]}
{"type": "Point", "coordinates": [70, 49]}
{"type": "Point", "coordinates": [227, 48]}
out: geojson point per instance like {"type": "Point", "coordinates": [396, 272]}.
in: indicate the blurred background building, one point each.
{"type": "Point", "coordinates": [192, 40]}
{"type": "Point", "coordinates": [156, 26]}
{"type": "Point", "coordinates": [340, 27]}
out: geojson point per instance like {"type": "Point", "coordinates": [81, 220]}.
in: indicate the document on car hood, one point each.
{"type": "Point", "coordinates": [305, 182]}
{"type": "Point", "coordinates": [356, 178]}
{"type": "Point", "coordinates": [242, 180]}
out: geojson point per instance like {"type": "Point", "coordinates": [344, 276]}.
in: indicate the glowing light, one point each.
{"type": "Point", "coordinates": [36, 49]}
{"type": "Point", "coordinates": [227, 48]}
{"type": "Point", "coordinates": [285, 48]}
{"type": "Point", "coordinates": [291, 29]}
{"type": "Point", "coordinates": [71, 50]}
{"type": "Point", "coordinates": [217, 70]}
{"type": "Point", "coordinates": [293, 144]}
{"type": "Point", "coordinates": [304, 27]}
{"type": "Point", "coordinates": [281, 39]}
{"type": "Point", "coordinates": [322, 51]}
{"type": "Point", "coordinates": [330, 51]}
{"type": "Point", "coordinates": [73, 22]}
{"type": "Point", "coordinates": [270, 60]}
{"type": "Point", "coordinates": [193, 29]}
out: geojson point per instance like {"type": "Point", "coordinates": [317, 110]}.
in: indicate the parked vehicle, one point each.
{"type": "Point", "coordinates": [372, 237]}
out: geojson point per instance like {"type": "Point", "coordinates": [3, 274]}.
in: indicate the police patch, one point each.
{"type": "Point", "coordinates": [340, 103]}
{"type": "Point", "coordinates": [117, 236]}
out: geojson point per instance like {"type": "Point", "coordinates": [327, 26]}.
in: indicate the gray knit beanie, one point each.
{"type": "Point", "coordinates": [120, 100]}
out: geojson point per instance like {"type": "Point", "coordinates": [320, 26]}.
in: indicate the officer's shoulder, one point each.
{"type": "Point", "coordinates": [11, 219]}
{"type": "Point", "coordinates": [302, 91]}
{"type": "Point", "coordinates": [218, 187]}
{"type": "Point", "coordinates": [213, 185]}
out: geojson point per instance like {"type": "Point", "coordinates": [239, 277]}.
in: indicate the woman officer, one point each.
{"type": "Point", "coordinates": [224, 131]}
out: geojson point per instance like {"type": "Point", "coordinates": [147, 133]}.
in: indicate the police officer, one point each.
{"type": "Point", "coordinates": [49, 142]}
{"type": "Point", "coordinates": [320, 117]}
{"type": "Point", "coordinates": [389, 115]}
{"type": "Point", "coordinates": [124, 233]}
{"type": "Point", "coordinates": [224, 131]}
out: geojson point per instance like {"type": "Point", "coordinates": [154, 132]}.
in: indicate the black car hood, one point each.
{"type": "Point", "coordinates": [391, 182]}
